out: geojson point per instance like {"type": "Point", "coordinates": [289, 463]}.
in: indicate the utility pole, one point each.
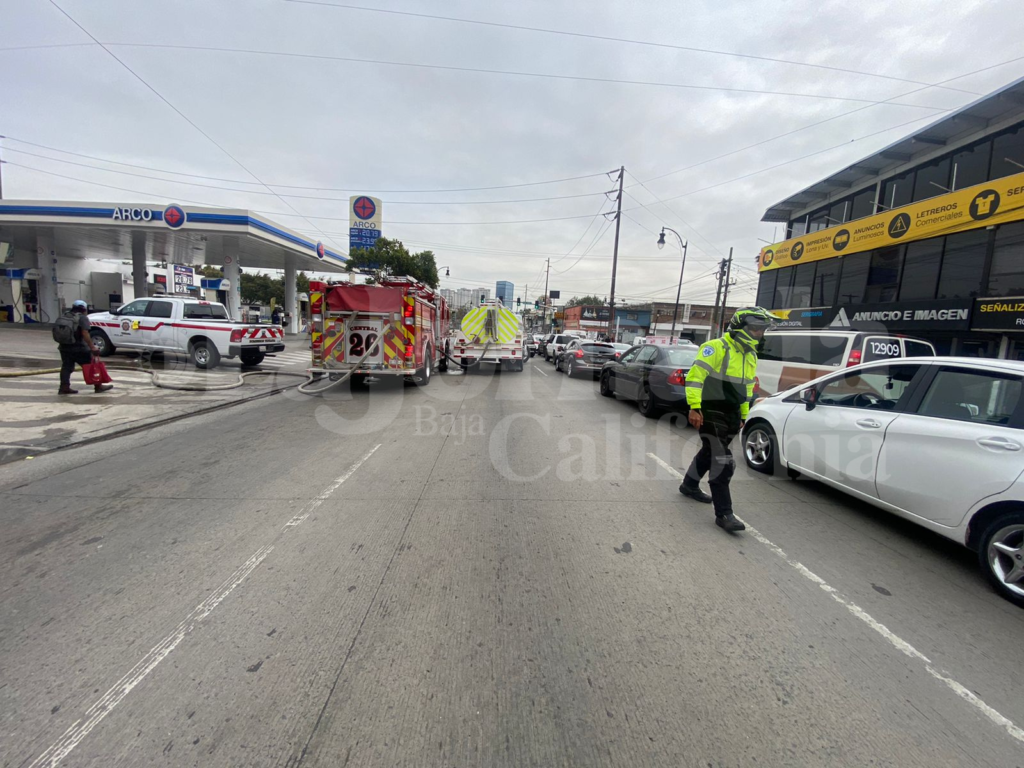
{"type": "Point", "coordinates": [1, 174]}
{"type": "Point", "coordinates": [725, 293]}
{"type": "Point", "coordinates": [615, 252]}
{"type": "Point", "coordinates": [544, 317]}
{"type": "Point", "coordinates": [718, 297]}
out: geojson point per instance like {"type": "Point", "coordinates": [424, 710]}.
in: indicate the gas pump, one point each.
{"type": "Point", "coordinates": [30, 296]}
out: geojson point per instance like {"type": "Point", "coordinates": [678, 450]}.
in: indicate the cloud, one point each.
{"type": "Point", "coordinates": [362, 126]}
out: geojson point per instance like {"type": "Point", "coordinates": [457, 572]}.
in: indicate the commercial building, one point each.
{"type": "Point", "coordinates": [692, 322]}
{"type": "Point", "coordinates": [629, 323]}
{"type": "Point", "coordinates": [107, 254]}
{"type": "Point", "coordinates": [924, 237]}
{"type": "Point", "coordinates": [505, 291]}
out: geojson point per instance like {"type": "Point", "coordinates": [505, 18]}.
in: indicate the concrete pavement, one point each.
{"type": "Point", "coordinates": [37, 420]}
{"type": "Point", "coordinates": [491, 571]}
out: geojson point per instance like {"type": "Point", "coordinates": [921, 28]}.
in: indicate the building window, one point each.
{"type": "Point", "coordinates": [921, 270]}
{"type": "Point", "coordinates": [963, 264]}
{"type": "Point", "coordinates": [970, 165]}
{"type": "Point", "coordinates": [897, 192]}
{"type": "Point", "coordinates": [766, 289]}
{"type": "Point", "coordinates": [883, 275]}
{"type": "Point", "coordinates": [854, 278]}
{"type": "Point", "coordinates": [783, 287]}
{"type": "Point", "coordinates": [1008, 153]}
{"type": "Point", "coordinates": [818, 220]}
{"type": "Point", "coordinates": [800, 294]}
{"type": "Point", "coordinates": [932, 179]}
{"type": "Point", "coordinates": [798, 227]}
{"type": "Point", "coordinates": [838, 213]}
{"type": "Point", "coordinates": [863, 204]}
{"type": "Point", "coordinates": [1007, 277]}
{"type": "Point", "coordinates": [823, 292]}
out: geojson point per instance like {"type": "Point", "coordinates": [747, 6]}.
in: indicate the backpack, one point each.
{"type": "Point", "coordinates": [64, 329]}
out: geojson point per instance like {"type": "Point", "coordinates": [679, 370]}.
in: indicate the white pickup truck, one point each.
{"type": "Point", "coordinates": [200, 329]}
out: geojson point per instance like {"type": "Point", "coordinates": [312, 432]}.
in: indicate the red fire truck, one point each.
{"type": "Point", "coordinates": [397, 328]}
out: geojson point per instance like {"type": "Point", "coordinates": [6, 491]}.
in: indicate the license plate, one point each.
{"type": "Point", "coordinates": [264, 348]}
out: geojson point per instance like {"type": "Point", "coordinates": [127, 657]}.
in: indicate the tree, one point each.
{"type": "Point", "coordinates": [302, 283]}
{"type": "Point", "coordinates": [586, 301]}
{"type": "Point", "coordinates": [261, 288]}
{"type": "Point", "coordinates": [207, 271]}
{"type": "Point", "coordinates": [389, 258]}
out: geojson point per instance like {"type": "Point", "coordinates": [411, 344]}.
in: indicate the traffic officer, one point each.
{"type": "Point", "coordinates": [719, 391]}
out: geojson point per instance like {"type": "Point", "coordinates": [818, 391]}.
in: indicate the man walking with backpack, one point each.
{"type": "Point", "coordinates": [71, 332]}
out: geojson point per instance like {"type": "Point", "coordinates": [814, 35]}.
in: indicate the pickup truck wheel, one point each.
{"type": "Point", "coordinates": [205, 355]}
{"type": "Point", "coordinates": [102, 343]}
{"type": "Point", "coordinates": [250, 359]}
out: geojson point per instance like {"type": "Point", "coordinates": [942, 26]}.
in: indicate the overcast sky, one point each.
{"type": "Point", "coordinates": [363, 126]}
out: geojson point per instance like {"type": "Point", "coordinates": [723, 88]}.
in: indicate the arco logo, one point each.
{"type": "Point", "coordinates": [174, 216]}
{"type": "Point", "coordinates": [364, 208]}
{"type": "Point", "coordinates": [320, 251]}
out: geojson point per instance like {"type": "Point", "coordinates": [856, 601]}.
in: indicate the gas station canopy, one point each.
{"type": "Point", "coordinates": [171, 233]}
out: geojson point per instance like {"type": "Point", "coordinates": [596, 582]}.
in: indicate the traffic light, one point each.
{"type": "Point", "coordinates": [519, 301]}
{"type": "Point", "coordinates": [536, 304]}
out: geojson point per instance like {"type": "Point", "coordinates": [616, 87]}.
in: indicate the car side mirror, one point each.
{"type": "Point", "coordinates": [809, 397]}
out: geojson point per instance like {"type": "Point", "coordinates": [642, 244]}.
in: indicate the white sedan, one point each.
{"type": "Point", "coordinates": [936, 440]}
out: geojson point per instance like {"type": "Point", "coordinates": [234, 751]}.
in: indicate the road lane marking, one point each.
{"type": "Point", "coordinates": [897, 642]}
{"type": "Point", "coordinates": [538, 370]}
{"type": "Point", "coordinates": [81, 728]}
{"type": "Point", "coordinates": [312, 506]}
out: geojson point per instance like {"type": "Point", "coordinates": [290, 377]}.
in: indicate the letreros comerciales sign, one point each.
{"type": "Point", "coordinates": [983, 205]}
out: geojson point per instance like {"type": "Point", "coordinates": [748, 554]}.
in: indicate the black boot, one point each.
{"type": "Point", "coordinates": [730, 523]}
{"type": "Point", "coordinates": [694, 493]}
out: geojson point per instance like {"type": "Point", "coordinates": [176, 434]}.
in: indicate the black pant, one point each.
{"type": "Point", "coordinates": [715, 459]}
{"type": "Point", "coordinates": [68, 357]}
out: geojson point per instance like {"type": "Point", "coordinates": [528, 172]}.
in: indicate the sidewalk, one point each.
{"type": "Point", "coordinates": [36, 419]}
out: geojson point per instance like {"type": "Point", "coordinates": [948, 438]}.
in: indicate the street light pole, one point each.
{"type": "Point", "coordinates": [679, 289]}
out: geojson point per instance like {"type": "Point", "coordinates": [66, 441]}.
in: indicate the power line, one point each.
{"type": "Point", "coordinates": [306, 197]}
{"type": "Point", "coordinates": [503, 72]}
{"type": "Point", "coordinates": [300, 215]}
{"type": "Point", "coordinates": [291, 186]}
{"type": "Point", "coordinates": [601, 233]}
{"type": "Point", "coordinates": [618, 40]}
{"type": "Point", "coordinates": [181, 114]}
{"type": "Point", "coordinates": [835, 117]}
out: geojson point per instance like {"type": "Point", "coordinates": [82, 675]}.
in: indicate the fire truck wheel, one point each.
{"type": "Point", "coordinates": [442, 366]}
{"type": "Point", "coordinates": [426, 373]}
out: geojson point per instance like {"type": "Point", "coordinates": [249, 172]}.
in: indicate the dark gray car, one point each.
{"type": "Point", "coordinates": [584, 357]}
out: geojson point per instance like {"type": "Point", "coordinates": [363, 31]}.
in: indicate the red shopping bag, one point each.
{"type": "Point", "coordinates": [96, 373]}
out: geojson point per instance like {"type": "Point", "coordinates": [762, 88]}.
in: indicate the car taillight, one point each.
{"type": "Point", "coordinates": [855, 356]}
{"type": "Point", "coordinates": [236, 335]}
{"type": "Point", "coordinates": [617, 355]}
{"type": "Point", "coordinates": [677, 378]}
{"type": "Point", "coordinates": [579, 353]}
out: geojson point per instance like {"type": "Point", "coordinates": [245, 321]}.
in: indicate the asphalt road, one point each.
{"type": "Point", "coordinates": [492, 571]}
